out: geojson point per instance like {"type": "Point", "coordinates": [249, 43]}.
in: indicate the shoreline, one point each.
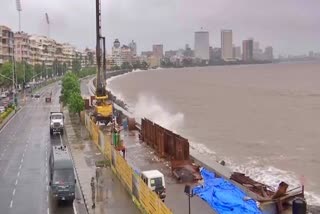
{"type": "Point", "coordinates": [197, 157]}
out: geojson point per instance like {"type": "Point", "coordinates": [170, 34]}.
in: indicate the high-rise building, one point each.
{"type": "Point", "coordinates": [157, 51]}
{"type": "Point", "coordinates": [116, 53]}
{"type": "Point", "coordinates": [126, 54]}
{"type": "Point", "coordinates": [133, 47]}
{"type": "Point", "coordinates": [237, 52]}
{"type": "Point", "coordinates": [247, 50]}
{"type": "Point", "coordinates": [188, 52]}
{"type": "Point", "coordinates": [201, 45]}
{"type": "Point", "coordinates": [226, 45]}
{"type": "Point", "coordinates": [268, 52]}
{"type": "Point", "coordinates": [6, 44]}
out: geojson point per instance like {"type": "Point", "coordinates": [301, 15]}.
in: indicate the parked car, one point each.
{"type": "Point", "coordinates": [2, 109]}
{"type": "Point", "coordinates": [37, 96]}
{"type": "Point", "coordinates": [3, 95]}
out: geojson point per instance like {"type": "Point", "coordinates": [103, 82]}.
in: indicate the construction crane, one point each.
{"type": "Point", "coordinates": [103, 110]}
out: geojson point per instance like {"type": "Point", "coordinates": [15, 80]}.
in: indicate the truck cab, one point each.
{"type": "Point", "coordinates": [56, 122]}
{"type": "Point", "coordinates": [155, 181]}
{"type": "Point", "coordinates": [62, 177]}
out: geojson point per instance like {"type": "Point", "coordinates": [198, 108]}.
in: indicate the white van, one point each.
{"type": "Point", "coordinates": [155, 181]}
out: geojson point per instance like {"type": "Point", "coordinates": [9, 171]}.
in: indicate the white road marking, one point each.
{"type": "Point", "coordinates": [18, 174]}
{"type": "Point", "coordinates": [47, 198]}
{"type": "Point", "coordinates": [74, 208]}
{"type": "Point", "coordinates": [47, 179]}
{"type": "Point", "coordinates": [23, 155]}
{"type": "Point", "coordinates": [14, 192]}
{"type": "Point", "coordinates": [16, 182]}
{"type": "Point", "coordinates": [47, 188]}
{"type": "Point", "coordinates": [60, 139]}
{"type": "Point", "coordinates": [20, 166]}
{"type": "Point", "coordinates": [22, 160]}
{"type": "Point", "coordinates": [48, 211]}
{"type": "Point", "coordinates": [11, 203]}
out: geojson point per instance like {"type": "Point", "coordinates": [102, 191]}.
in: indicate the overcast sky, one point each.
{"type": "Point", "coordinates": [290, 26]}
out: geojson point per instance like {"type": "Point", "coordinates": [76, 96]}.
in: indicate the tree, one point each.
{"type": "Point", "coordinates": [126, 65]}
{"type": "Point", "coordinates": [70, 84]}
{"type": "Point", "coordinates": [76, 66]}
{"type": "Point", "coordinates": [76, 103]}
{"type": "Point", "coordinates": [136, 65]}
{"type": "Point", "coordinates": [115, 67]}
{"type": "Point", "coordinates": [6, 70]}
{"type": "Point", "coordinates": [144, 65]}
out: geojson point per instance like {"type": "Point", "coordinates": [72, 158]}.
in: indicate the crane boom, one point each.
{"type": "Point", "coordinates": [100, 80]}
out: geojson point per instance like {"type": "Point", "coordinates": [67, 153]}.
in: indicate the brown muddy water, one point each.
{"type": "Point", "coordinates": [263, 120]}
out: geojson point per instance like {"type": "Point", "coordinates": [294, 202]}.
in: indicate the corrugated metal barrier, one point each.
{"type": "Point", "coordinates": [166, 143]}
{"type": "Point", "coordinates": [145, 198]}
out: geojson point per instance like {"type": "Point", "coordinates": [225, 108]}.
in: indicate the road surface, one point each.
{"type": "Point", "coordinates": [24, 152]}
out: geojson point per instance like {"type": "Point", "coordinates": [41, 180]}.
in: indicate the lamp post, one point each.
{"type": "Point", "coordinates": [188, 191]}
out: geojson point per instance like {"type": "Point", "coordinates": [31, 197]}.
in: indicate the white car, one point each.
{"type": "Point", "coordinates": [2, 109]}
{"type": "Point", "coordinates": [3, 95]}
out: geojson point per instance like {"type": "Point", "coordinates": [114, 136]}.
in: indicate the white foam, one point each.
{"type": "Point", "coordinates": [272, 176]}
{"type": "Point", "coordinates": [149, 107]}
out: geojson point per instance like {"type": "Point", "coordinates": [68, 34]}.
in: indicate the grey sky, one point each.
{"type": "Point", "coordinates": [290, 26]}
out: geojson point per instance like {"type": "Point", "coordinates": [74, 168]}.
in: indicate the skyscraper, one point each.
{"type": "Point", "coordinates": [247, 50]}
{"type": "Point", "coordinates": [201, 45]}
{"type": "Point", "coordinates": [226, 45]}
{"type": "Point", "coordinates": [157, 51]}
{"type": "Point", "coordinates": [268, 52]}
{"type": "Point", "coordinates": [133, 47]}
{"type": "Point", "coordinates": [237, 52]}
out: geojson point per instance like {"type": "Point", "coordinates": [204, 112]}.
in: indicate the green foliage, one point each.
{"type": "Point", "coordinates": [87, 71]}
{"type": "Point", "coordinates": [70, 84]}
{"type": "Point", "coordinates": [126, 65]}
{"type": "Point", "coordinates": [76, 66]}
{"type": "Point", "coordinates": [5, 114]}
{"type": "Point", "coordinates": [76, 103]}
{"type": "Point", "coordinates": [115, 67]}
{"type": "Point", "coordinates": [71, 93]}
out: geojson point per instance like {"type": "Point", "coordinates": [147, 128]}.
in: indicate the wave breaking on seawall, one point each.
{"type": "Point", "coordinates": [147, 106]}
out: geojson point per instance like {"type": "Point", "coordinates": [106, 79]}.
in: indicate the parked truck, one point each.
{"type": "Point", "coordinates": [154, 179]}
{"type": "Point", "coordinates": [56, 123]}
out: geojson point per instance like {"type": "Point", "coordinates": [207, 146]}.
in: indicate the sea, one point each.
{"type": "Point", "coordinates": [263, 120]}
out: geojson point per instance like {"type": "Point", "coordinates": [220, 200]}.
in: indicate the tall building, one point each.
{"type": "Point", "coordinates": [237, 52]}
{"type": "Point", "coordinates": [188, 52]}
{"type": "Point", "coordinates": [126, 54]}
{"type": "Point", "coordinates": [268, 52]}
{"type": "Point", "coordinates": [247, 50]}
{"type": "Point", "coordinates": [133, 47]}
{"type": "Point", "coordinates": [116, 53]}
{"type": "Point", "coordinates": [6, 44]}
{"type": "Point", "coordinates": [201, 45]}
{"type": "Point", "coordinates": [157, 51]}
{"type": "Point", "coordinates": [226, 45]}
{"type": "Point", "coordinates": [22, 47]}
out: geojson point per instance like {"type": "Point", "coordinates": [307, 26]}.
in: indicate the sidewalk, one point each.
{"type": "Point", "coordinates": [111, 196]}
{"type": "Point", "coordinates": [142, 157]}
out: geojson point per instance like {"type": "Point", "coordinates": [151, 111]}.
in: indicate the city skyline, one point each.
{"type": "Point", "coordinates": [175, 22]}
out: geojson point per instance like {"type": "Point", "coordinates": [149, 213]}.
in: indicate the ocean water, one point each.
{"type": "Point", "coordinates": [263, 120]}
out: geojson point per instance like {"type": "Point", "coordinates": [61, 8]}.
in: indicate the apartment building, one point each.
{"type": "Point", "coordinates": [6, 44]}
{"type": "Point", "coordinates": [22, 47]}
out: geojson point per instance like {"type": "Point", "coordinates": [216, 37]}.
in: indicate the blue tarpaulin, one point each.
{"type": "Point", "coordinates": [223, 196]}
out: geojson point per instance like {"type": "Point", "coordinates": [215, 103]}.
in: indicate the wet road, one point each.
{"type": "Point", "coordinates": [24, 153]}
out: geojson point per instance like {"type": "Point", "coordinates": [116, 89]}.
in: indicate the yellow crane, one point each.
{"type": "Point", "coordinates": [103, 109]}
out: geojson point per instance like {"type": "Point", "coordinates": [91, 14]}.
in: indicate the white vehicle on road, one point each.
{"type": "Point", "coordinates": [3, 95]}
{"type": "Point", "coordinates": [2, 109]}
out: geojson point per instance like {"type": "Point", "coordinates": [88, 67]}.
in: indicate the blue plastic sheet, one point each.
{"type": "Point", "coordinates": [223, 196]}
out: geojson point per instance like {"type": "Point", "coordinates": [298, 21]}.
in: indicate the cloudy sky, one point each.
{"type": "Point", "coordinates": [290, 26]}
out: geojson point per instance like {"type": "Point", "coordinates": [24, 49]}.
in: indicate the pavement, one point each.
{"type": "Point", "coordinates": [111, 196]}
{"type": "Point", "coordinates": [24, 151]}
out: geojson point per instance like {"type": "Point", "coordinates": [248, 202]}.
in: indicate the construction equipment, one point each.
{"type": "Point", "coordinates": [103, 108]}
